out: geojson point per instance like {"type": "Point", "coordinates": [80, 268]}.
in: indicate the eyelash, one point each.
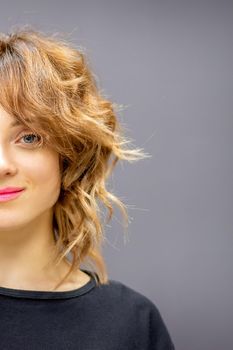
{"type": "Point", "coordinates": [30, 134]}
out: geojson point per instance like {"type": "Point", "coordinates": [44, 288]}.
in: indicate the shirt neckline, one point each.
{"type": "Point", "coordinates": [37, 294]}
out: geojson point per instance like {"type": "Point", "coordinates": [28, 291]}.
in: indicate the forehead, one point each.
{"type": "Point", "coordinates": [6, 117]}
{"type": "Point", "coordinates": [11, 120]}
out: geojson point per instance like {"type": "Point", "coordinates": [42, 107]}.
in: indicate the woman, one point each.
{"type": "Point", "coordinates": [59, 142]}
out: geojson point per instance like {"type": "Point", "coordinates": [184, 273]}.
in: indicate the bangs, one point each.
{"type": "Point", "coordinates": [27, 91]}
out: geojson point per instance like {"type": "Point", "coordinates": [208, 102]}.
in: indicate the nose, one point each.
{"type": "Point", "coordinates": [7, 166]}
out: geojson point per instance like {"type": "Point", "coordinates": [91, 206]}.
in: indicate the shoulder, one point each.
{"type": "Point", "coordinates": [132, 303]}
{"type": "Point", "coordinates": [119, 292]}
{"type": "Point", "coordinates": [133, 308]}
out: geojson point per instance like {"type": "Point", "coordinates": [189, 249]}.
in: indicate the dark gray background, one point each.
{"type": "Point", "coordinates": [169, 63]}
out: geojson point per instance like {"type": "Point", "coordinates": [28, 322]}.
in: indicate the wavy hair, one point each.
{"type": "Point", "coordinates": [47, 84]}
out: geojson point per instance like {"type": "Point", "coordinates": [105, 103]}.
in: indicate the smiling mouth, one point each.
{"type": "Point", "coordinates": [10, 195]}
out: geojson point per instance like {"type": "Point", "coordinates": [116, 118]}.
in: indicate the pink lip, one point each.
{"type": "Point", "coordinates": [10, 189]}
{"type": "Point", "coordinates": [10, 195]}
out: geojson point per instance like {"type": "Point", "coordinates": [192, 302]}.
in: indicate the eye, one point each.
{"type": "Point", "coordinates": [28, 137]}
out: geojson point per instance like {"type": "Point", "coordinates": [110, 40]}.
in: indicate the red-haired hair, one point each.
{"type": "Point", "coordinates": [47, 84]}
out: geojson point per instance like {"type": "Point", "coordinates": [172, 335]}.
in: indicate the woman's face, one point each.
{"type": "Point", "coordinates": [23, 164]}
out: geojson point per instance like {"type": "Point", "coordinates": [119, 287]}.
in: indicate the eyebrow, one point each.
{"type": "Point", "coordinates": [17, 122]}
{"type": "Point", "coordinates": [14, 123]}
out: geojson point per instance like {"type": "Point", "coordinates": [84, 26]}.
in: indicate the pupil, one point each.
{"type": "Point", "coordinates": [28, 137]}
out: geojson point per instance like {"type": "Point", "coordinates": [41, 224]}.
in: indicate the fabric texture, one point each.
{"type": "Point", "coordinates": [105, 317]}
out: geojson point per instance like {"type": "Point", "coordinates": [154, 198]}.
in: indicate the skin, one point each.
{"type": "Point", "coordinates": [26, 232]}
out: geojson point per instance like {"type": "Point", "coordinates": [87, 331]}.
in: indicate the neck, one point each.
{"type": "Point", "coordinates": [25, 257]}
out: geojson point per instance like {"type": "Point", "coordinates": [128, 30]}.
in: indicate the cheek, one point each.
{"type": "Point", "coordinates": [42, 175]}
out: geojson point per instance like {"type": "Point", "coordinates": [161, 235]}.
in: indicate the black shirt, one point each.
{"type": "Point", "coordinates": [92, 317]}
